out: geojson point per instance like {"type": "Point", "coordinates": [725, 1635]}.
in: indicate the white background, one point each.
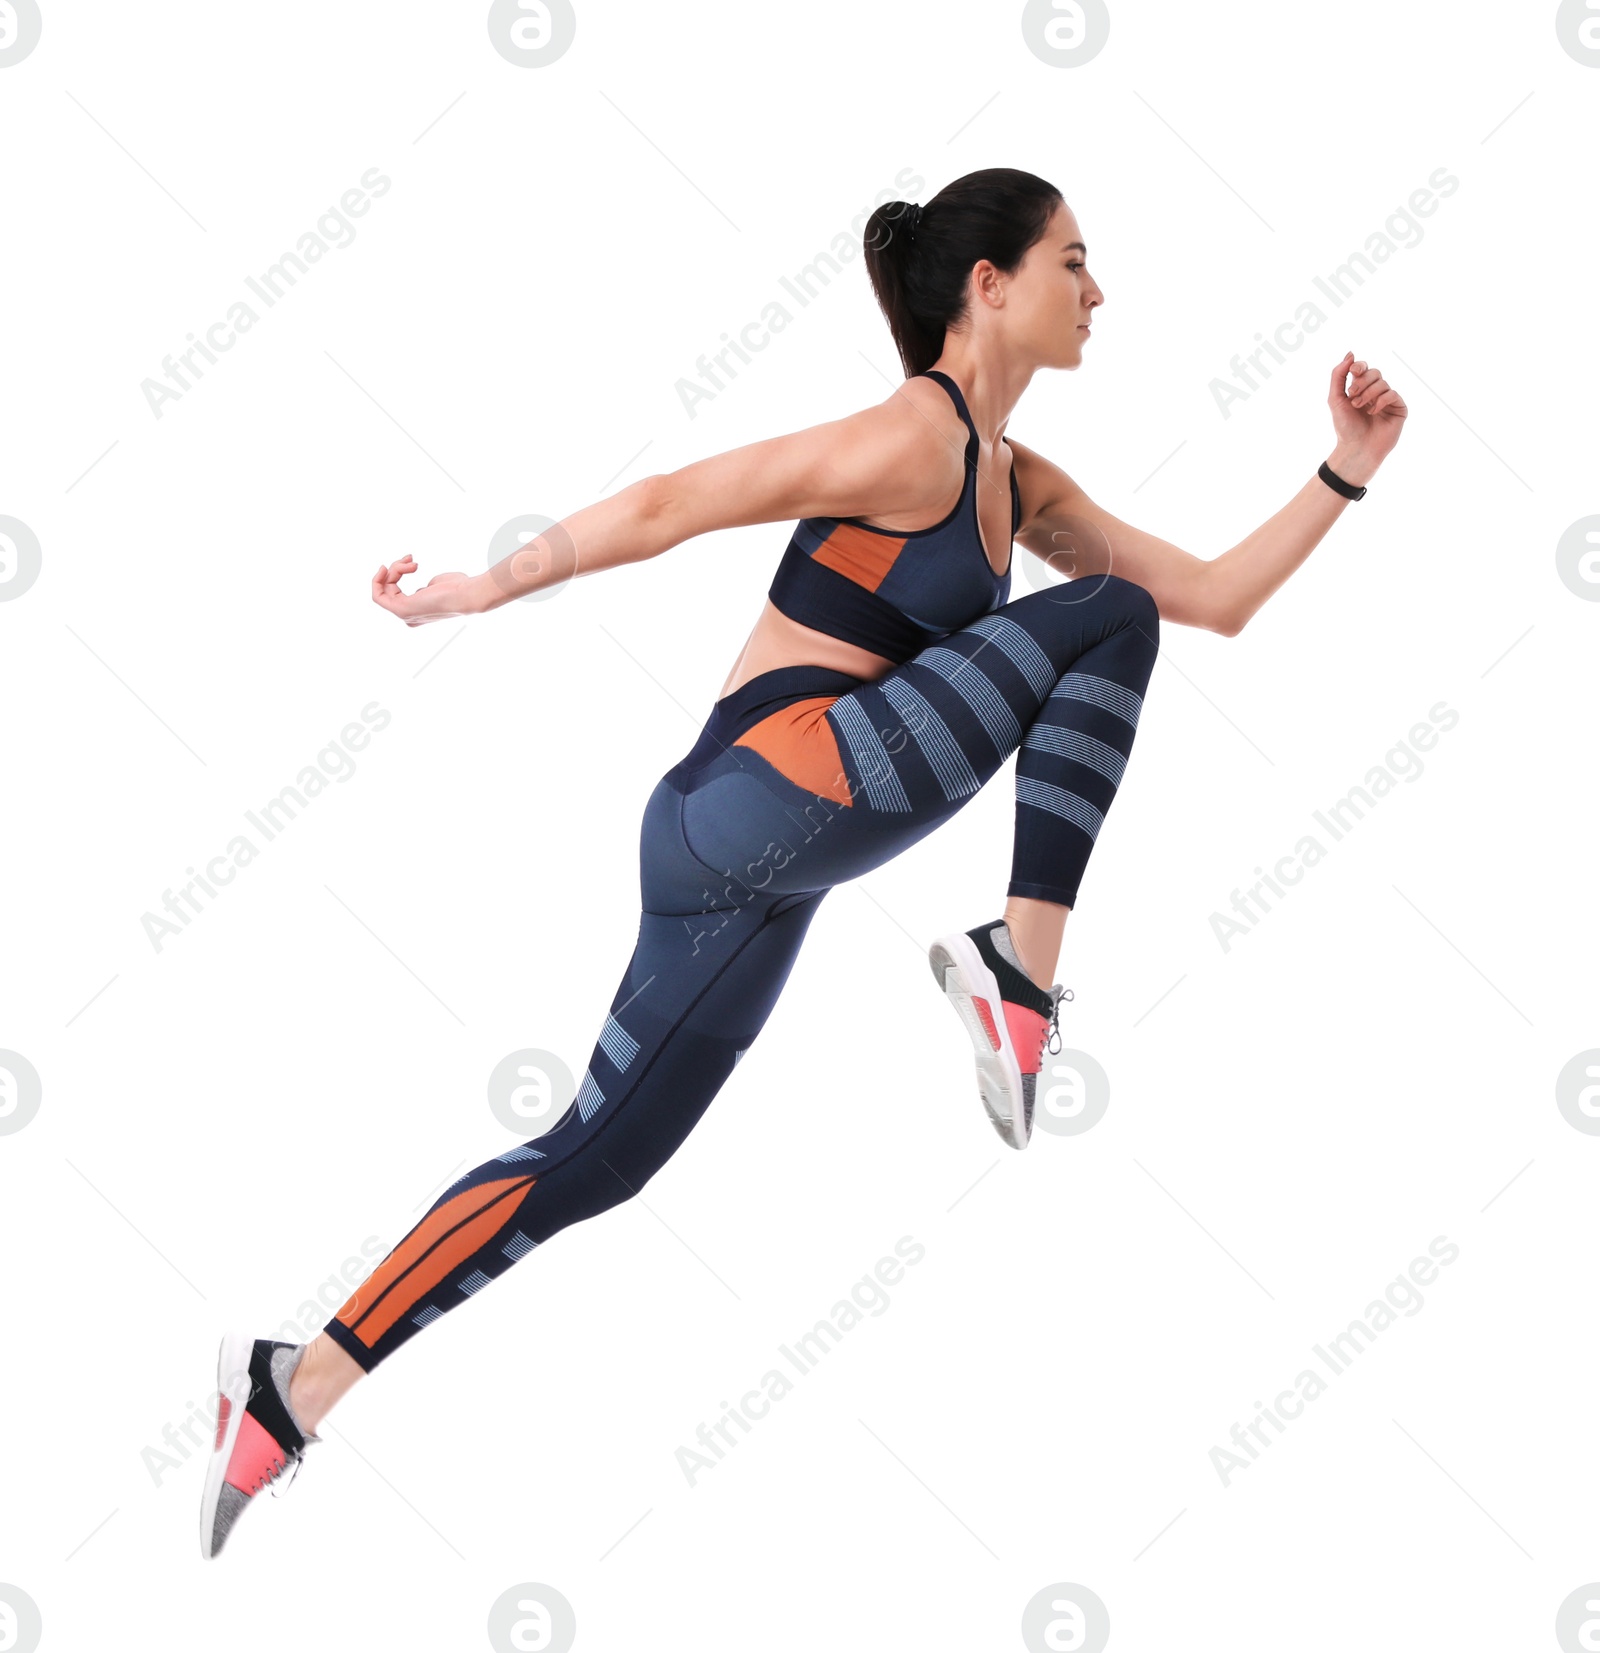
{"type": "Point", "coordinates": [1292, 1120]}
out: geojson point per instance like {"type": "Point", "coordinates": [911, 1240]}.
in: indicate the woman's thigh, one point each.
{"type": "Point", "coordinates": [829, 787]}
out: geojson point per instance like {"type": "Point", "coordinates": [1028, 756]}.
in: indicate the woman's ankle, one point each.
{"type": "Point", "coordinates": [1035, 929]}
{"type": "Point", "coordinates": [324, 1374]}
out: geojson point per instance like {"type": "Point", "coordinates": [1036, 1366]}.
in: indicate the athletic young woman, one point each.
{"type": "Point", "coordinates": [887, 678]}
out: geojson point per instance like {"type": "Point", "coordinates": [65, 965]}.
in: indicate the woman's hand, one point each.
{"type": "Point", "coordinates": [439, 599]}
{"type": "Point", "coordinates": [1366, 419]}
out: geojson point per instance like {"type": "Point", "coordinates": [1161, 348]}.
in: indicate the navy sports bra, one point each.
{"type": "Point", "coordinates": [888, 590]}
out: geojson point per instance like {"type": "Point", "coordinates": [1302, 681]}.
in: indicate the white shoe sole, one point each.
{"type": "Point", "coordinates": [959, 969]}
{"type": "Point", "coordinates": [233, 1382]}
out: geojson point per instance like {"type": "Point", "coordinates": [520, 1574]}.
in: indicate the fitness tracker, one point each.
{"type": "Point", "coordinates": [1338, 483]}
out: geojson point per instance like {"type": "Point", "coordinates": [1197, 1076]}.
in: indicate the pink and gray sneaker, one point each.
{"type": "Point", "coordinates": [257, 1435]}
{"type": "Point", "coordinates": [1009, 1017]}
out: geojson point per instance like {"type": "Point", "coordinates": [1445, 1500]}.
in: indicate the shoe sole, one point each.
{"type": "Point", "coordinates": [234, 1384]}
{"type": "Point", "coordinates": [968, 983]}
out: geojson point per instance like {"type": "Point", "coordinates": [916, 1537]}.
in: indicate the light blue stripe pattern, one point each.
{"type": "Point", "coordinates": [518, 1246]}
{"type": "Point", "coordinates": [986, 701]}
{"type": "Point", "coordinates": [426, 1317]}
{"type": "Point", "coordinates": [878, 779]}
{"type": "Point", "coordinates": [1068, 805]}
{"type": "Point", "coordinates": [475, 1281]}
{"type": "Point", "coordinates": [1081, 748]}
{"type": "Point", "coordinates": [1101, 692]}
{"type": "Point", "coordinates": [512, 1155]}
{"type": "Point", "coordinates": [618, 1043]}
{"type": "Point", "coordinates": [590, 1097]}
{"type": "Point", "coordinates": [933, 738]}
{"type": "Point", "coordinates": [1020, 649]}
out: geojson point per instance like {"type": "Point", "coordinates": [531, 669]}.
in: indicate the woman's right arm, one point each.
{"type": "Point", "coordinates": [882, 461]}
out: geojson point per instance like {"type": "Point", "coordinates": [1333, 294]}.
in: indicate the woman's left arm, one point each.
{"type": "Point", "coordinates": [1078, 537]}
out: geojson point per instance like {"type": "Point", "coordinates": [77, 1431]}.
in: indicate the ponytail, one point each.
{"type": "Point", "coordinates": [919, 258]}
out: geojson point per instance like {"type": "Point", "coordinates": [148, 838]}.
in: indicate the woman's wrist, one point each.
{"type": "Point", "coordinates": [477, 594]}
{"type": "Point", "coordinates": [1351, 465]}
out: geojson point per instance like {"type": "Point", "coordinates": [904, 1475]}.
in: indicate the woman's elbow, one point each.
{"type": "Point", "coordinates": [1220, 610]}
{"type": "Point", "coordinates": [657, 503]}
{"type": "Point", "coordinates": [653, 497]}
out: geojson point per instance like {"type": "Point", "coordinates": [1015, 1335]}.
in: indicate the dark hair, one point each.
{"type": "Point", "coordinates": [919, 264]}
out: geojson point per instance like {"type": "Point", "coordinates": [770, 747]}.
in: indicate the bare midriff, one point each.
{"type": "Point", "coordinates": [779, 641]}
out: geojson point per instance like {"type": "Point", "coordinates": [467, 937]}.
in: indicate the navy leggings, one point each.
{"type": "Point", "coordinates": [803, 778]}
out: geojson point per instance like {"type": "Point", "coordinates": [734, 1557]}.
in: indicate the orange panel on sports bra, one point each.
{"type": "Point", "coordinates": [895, 592]}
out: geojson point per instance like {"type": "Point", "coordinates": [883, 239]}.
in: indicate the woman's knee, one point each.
{"type": "Point", "coordinates": [1123, 597]}
{"type": "Point", "coordinates": [1091, 604]}
{"type": "Point", "coordinates": [1141, 606]}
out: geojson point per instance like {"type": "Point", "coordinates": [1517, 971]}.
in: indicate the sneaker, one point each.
{"type": "Point", "coordinates": [1008, 1016]}
{"type": "Point", "coordinates": [257, 1436]}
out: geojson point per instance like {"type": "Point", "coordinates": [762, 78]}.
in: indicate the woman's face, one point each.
{"type": "Point", "coordinates": [1052, 296]}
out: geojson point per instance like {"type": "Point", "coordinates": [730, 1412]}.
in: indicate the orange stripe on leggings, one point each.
{"type": "Point", "coordinates": [797, 740]}
{"type": "Point", "coordinates": [442, 1241]}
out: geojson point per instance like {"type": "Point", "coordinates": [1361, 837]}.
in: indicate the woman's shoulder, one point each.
{"type": "Point", "coordinates": [905, 453]}
{"type": "Point", "coordinates": [915, 432]}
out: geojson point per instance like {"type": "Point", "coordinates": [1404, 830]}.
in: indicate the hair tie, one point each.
{"type": "Point", "coordinates": [913, 218]}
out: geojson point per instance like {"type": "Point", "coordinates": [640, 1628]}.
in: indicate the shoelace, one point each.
{"type": "Point", "coordinates": [275, 1474]}
{"type": "Point", "coordinates": [1055, 1023]}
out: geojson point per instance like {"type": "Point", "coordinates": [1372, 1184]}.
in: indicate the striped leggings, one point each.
{"type": "Point", "coordinates": [802, 778]}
